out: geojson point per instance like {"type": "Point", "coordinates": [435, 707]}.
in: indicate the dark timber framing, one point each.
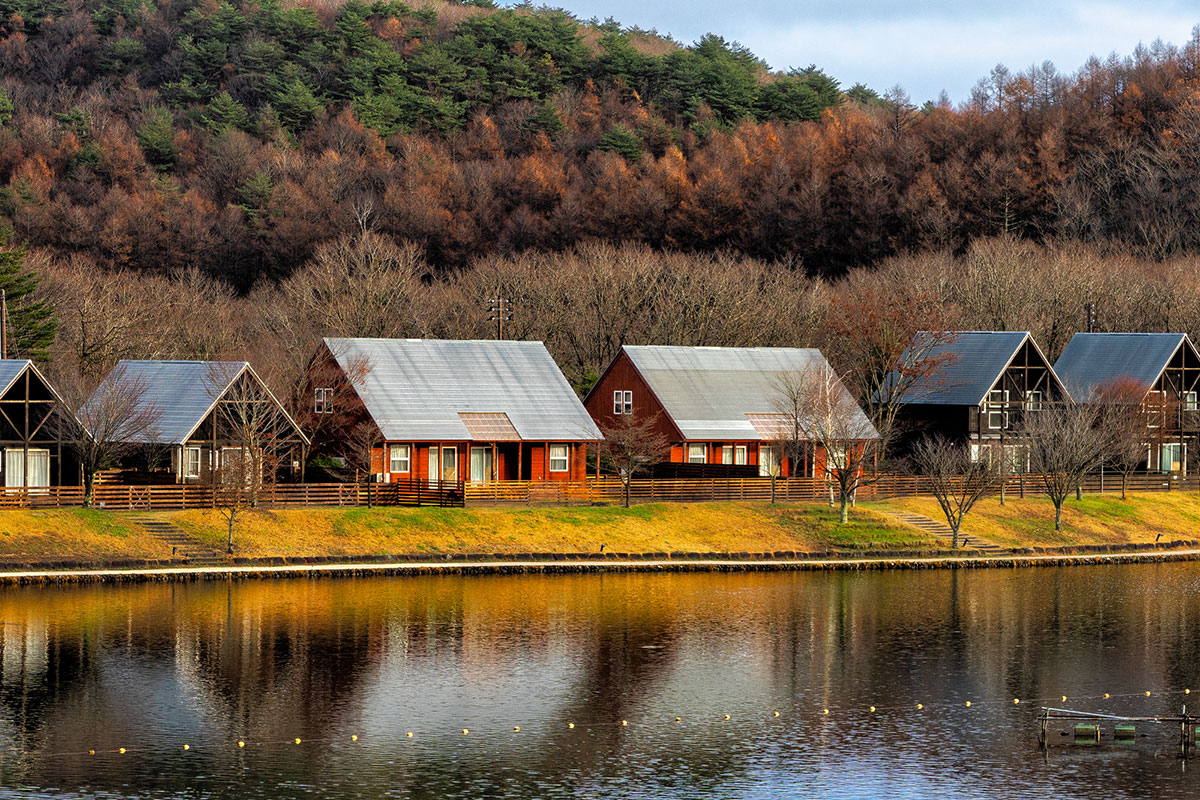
{"type": "Point", "coordinates": [29, 421]}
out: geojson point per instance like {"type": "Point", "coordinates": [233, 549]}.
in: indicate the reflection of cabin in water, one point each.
{"type": "Point", "coordinates": [451, 411]}
{"type": "Point", "coordinates": [978, 389]}
{"type": "Point", "coordinates": [1165, 368]}
{"type": "Point", "coordinates": [201, 414]}
{"type": "Point", "coordinates": [35, 440]}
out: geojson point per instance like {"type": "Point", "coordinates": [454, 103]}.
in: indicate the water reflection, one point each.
{"type": "Point", "coordinates": [153, 667]}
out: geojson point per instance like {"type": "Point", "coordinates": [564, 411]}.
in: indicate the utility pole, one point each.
{"type": "Point", "coordinates": [1091, 317]}
{"type": "Point", "coordinates": [3, 323]}
{"type": "Point", "coordinates": [500, 309]}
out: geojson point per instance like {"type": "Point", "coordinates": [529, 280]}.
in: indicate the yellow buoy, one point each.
{"type": "Point", "coordinates": [824, 710]}
{"type": "Point", "coordinates": [91, 752]}
{"type": "Point", "coordinates": [968, 704]}
{"type": "Point", "coordinates": [1105, 696]}
{"type": "Point", "coordinates": [872, 709]}
{"type": "Point", "coordinates": [726, 716]}
{"type": "Point", "coordinates": [572, 724]}
{"type": "Point", "coordinates": [241, 744]}
{"type": "Point", "coordinates": [624, 722]}
{"type": "Point", "coordinates": [919, 706]}
{"type": "Point", "coordinates": [465, 731]}
{"type": "Point", "coordinates": [185, 747]}
{"type": "Point", "coordinates": [1016, 701]}
{"type": "Point", "coordinates": [775, 714]}
{"type": "Point", "coordinates": [354, 737]}
{"type": "Point", "coordinates": [297, 740]}
{"type": "Point", "coordinates": [120, 749]}
{"type": "Point", "coordinates": [679, 719]}
{"type": "Point", "coordinates": [517, 728]}
{"type": "Point", "coordinates": [1064, 698]}
{"type": "Point", "coordinates": [1147, 694]}
{"type": "Point", "coordinates": [1187, 691]}
{"type": "Point", "coordinates": [409, 734]}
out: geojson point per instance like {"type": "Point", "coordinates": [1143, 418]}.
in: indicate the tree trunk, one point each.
{"type": "Point", "coordinates": [1124, 483]}
{"type": "Point", "coordinates": [1058, 504]}
{"type": "Point", "coordinates": [845, 513]}
{"type": "Point", "coordinates": [89, 488]}
{"type": "Point", "coordinates": [229, 542]}
{"type": "Point", "coordinates": [1078, 491]}
{"type": "Point", "coordinates": [954, 537]}
{"type": "Point", "coordinates": [627, 494]}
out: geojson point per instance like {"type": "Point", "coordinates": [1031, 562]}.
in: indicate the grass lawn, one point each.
{"type": "Point", "coordinates": [75, 533]}
{"type": "Point", "coordinates": [1096, 519]}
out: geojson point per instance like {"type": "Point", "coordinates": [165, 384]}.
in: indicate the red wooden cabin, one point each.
{"type": "Point", "coordinates": [449, 411]}
{"type": "Point", "coordinates": [717, 405]}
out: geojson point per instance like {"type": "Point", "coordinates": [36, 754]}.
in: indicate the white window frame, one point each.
{"type": "Point", "coordinates": [323, 401]}
{"type": "Point", "coordinates": [188, 472]}
{"type": "Point", "coordinates": [739, 454]}
{"type": "Point", "coordinates": [1033, 400]}
{"type": "Point", "coordinates": [1190, 401]}
{"type": "Point", "coordinates": [769, 460]}
{"type": "Point", "coordinates": [997, 397]}
{"type": "Point", "coordinates": [560, 455]}
{"type": "Point", "coordinates": [727, 454]}
{"type": "Point", "coordinates": [400, 458]}
{"type": "Point", "coordinates": [1166, 466]}
{"type": "Point", "coordinates": [622, 402]}
{"type": "Point", "coordinates": [697, 454]}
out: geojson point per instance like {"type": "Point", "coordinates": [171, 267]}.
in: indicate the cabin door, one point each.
{"type": "Point", "coordinates": [481, 463]}
{"type": "Point", "coordinates": [14, 467]}
{"type": "Point", "coordinates": [444, 468]}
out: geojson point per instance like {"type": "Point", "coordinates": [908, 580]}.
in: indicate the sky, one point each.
{"type": "Point", "coordinates": [926, 47]}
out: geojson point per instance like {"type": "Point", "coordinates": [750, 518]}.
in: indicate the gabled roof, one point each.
{"type": "Point", "coordinates": [415, 389]}
{"type": "Point", "coordinates": [1093, 359]}
{"type": "Point", "coordinates": [13, 368]}
{"type": "Point", "coordinates": [182, 393]}
{"type": "Point", "coordinates": [969, 364]}
{"type": "Point", "coordinates": [710, 392]}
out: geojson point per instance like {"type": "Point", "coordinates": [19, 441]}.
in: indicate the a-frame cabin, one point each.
{"type": "Point", "coordinates": [34, 434]}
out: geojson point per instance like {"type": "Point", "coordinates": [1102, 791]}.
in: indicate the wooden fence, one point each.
{"type": "Point", "coordinates": [151, 498]}
{"type": "Point", "coordinates": [583, 492]}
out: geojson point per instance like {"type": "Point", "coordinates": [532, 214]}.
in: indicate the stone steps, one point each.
{"type": "Point", "coordinates": [182, 544]}
{"type": "Point", "coordinates": [941, 531]}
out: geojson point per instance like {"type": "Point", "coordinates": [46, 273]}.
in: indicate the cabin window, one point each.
{"type": "Point", "coordinates": [739, 454]}
{"type": "Point", "coordinates": [1189, 401]}
{"type": "Point", "coordinates": [997, 409]}
{"type": "Point", "coordinates": [622, 402]}
{"type": "Point", "coordinates": [1033, 401]}
{"type": "Point", "coordinates": [323, 401]}
{"type": "Point", "coordinates": [768, 460]}
{"type": "Point", "coordinates": [399, 458]}
{"type": "Point", "coordinates": [696, 454]}
{"type": "Point", "coordinates": [727, 454]}
{"type": "Point", "coordinates": [15, 460]}
{"type": "Point", "coordinates": [559, 461]}
{"type": "Point", "coordinates": [191, 465]}
{"type": "Point", "coordinates": [1170, 459]}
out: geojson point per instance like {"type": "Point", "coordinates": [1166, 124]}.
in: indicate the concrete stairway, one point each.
{"type": "Point", "coordinates": [941, 531]}
{"type": "Point", "coordinates": [182, 544]}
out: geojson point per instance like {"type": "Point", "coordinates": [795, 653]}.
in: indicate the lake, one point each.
{"type": "Point", "coordinates": [351, 667]}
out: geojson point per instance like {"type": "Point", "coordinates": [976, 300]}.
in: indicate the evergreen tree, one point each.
{"type": "Point", "coordinates": [224, 113]}
{"type": "Point", "coordinates": [6, 107]}
{"type": "Point", "coordinates": [31, 322]}
{"type": "Point", "coordinates": [619, 139]}
{"type": "Point", "coordinates": [157, 138]}
{"type": "Point", "coordinates": [296, 105]}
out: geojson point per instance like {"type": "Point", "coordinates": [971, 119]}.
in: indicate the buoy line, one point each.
{"type": "Point", "coordinates": [675, 721]}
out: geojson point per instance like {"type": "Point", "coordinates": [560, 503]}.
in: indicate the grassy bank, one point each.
{"type": "Point", "coordinates": [1096, 519]}
{"type": "Point", "coordinates": [690, 527]}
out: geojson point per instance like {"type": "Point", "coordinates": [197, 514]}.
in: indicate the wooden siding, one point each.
{"type": "Point", "coordinates": [622, 375]}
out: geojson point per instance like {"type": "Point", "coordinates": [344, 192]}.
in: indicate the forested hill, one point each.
{"type": "Point", "coordinates": [237, 137]}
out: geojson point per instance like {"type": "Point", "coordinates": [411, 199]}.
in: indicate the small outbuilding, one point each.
{"type": "Point", "coordinates": [449, 411]}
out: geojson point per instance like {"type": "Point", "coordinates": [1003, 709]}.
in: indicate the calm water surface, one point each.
{"type": "Point", "coordinates": [152, 668]}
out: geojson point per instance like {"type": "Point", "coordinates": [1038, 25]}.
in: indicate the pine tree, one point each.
{"type": "Point", "coordinates": [31, 323]}
{"type": "Point", "coordinates": [157, 139]}
{"type": "Point", "coordinates": [622, 141]}
{"type": "Point", "coordinates": [224, 113]}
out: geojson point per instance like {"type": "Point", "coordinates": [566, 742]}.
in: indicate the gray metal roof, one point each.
{"type": "Point", "coordinates": [1092, 359]}
{"type": "Point", "coordinates": [708, 391]}
{"type": "Point", "coordinates": [971, 363]}
{"type": "Point", "coordinates": [182, 393]}
{"type": "Point", "coordinates": [11, 369]}
{"type": "Point", "coordinates": [415, 389]}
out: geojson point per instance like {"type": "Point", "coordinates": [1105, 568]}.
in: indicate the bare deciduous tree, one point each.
{"type": "Point", "coordinates": [1125, 418]}
{"type": "Point", "coordinates": [631, 445]}
{"type": "Point", "coordinates": [1065, 443]}
{"type": "Point", "coordinates": [956, 481]}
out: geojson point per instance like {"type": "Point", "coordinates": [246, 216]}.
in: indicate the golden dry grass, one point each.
{"type": "Point", "coordinates": [699, 527]}
{"type": "Point", "coordinates": [1097, 519]}
{"type": "Point", "coordinates": [74, 533]}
